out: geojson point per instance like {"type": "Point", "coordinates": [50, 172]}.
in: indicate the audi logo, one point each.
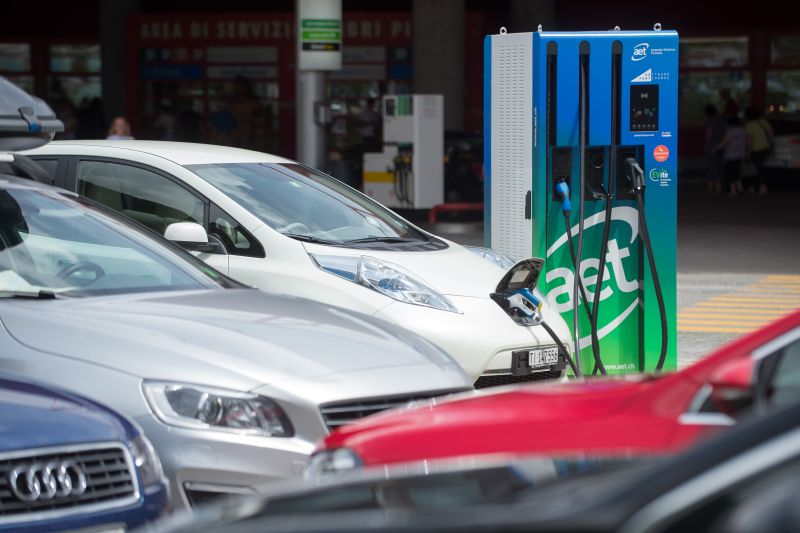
{"type": "Point", "coordinates": [54, 480]}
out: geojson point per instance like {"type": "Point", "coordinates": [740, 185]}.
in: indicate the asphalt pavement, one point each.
{"type": "Point", "coordinates": [738, 262]}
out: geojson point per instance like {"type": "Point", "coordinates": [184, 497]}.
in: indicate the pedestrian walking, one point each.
{"type": "Point", "coordinates": [759, 135]}
{"type": "Point", "coordinates": [734, 144]}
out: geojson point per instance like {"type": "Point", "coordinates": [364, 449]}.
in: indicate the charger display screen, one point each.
{"type": "Point", "coordinates": [644, 108]}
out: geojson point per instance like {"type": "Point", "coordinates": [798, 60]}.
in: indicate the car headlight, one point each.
{"type": "Point", "coordinates": [147, 462]}
{"type": "Point", "coordinates": [493, 256]}
{"type": "Point", "coordinates": [201, 407]}
{"type": "Point", "coordinates": [386, 278]}
{"type": "Point", "coordinates": [330, 462]}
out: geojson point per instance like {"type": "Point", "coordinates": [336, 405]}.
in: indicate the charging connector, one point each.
{"type": "Point", "coordinates": [562, 190]}
{"type": "Point", "coordinates": [634, 174]}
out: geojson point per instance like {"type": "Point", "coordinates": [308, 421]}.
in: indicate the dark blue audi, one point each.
{"type": "Point", "coordinates": [69, 464]}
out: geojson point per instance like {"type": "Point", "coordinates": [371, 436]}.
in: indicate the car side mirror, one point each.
{"type": "Point", "coordinates": [193, 237]}
{"type": "Point", "coordinates": [733, 386]}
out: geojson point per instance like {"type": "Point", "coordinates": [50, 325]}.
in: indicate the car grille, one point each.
{"type": "Point", "coordinates": [339, 414]}
{"type": "Point", "coordinates": [110, 480]}
{"type": "Point", "coordinates": [509, 379]}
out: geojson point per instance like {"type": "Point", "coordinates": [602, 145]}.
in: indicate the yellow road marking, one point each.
{"type": "Point", "coordinates": [764, 316]}
{"type": "Point", "coordinates": [745, 309]}
{"type": "Point", "coordinates": [744, 304]}
{"type": "Point", "coordinates": [705, 329]}
{"type": "Point", "coordinates": [739, 323]}
{"type": "Point", "coordinates": [780, 298]}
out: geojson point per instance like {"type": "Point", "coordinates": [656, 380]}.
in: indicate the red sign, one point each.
{"type": "Point", "coordinates": [660, 153]}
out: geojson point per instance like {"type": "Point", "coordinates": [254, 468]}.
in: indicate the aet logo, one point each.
{"type": "Point", "coordinates": [560, 279]}
{"type": "Point", "coordinates": [640, 51]}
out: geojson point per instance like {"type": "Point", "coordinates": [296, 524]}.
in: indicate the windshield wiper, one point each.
{"type": "Point", "coordinates": [381, 239]}
{"type": "Point", "coordinates": [40, 295]}
{"type": "Point", "coordinates": [309, 238]}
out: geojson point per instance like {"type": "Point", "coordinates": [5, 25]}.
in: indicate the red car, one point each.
{"type": "Point", "coordinates": [634, 415]}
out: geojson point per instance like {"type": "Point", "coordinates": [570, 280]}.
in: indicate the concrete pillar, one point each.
{"type": "Point", "coordinates": [311, 144]}
{"type": "Point", "coordinates": [438, 30]}
{"type": "Point", "coordinates": [113, 53]}
{"type": "Point", "coordinates": [526, 15]}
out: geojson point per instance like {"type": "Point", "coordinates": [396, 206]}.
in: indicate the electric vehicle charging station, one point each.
{"type": "Point", "coordinates": [409, 173]}
{"type": "Point", "coordinates": [580, 130]}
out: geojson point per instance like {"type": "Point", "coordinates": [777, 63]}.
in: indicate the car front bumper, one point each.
{"type": "Point", "coordinates": [482, 338]}
{"type": "Point", "coordinates": [152, 505]}
{"type": "Point", "coordinates": [205, 464]}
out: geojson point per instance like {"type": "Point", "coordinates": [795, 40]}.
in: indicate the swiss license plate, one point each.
{"type": "Point", "coordinates": [543, 357]}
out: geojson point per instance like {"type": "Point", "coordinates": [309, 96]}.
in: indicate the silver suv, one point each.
{"type": "Point", "coordinates": [232, 385]}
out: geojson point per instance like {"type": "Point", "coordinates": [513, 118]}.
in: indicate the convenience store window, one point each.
{"type": "Point", "coordinates": [783, 77]}
{"type": "Point", "coordinates": [74, 74]}
{"type": "Point", "coordinates": [15, 64]}
{"type": "Point", "coordinates": [708, 66]}
{"type": "Point", "coordinates": [226, 95]}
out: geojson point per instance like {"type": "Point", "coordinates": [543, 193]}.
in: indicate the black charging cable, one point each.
{"type": "Point", "coordinates": [561, 346]}
{"type": "Point", "coordinates": [635, 175]}
{"type": "Point", "coordinates": [601, 271]}
{"type": "Point", "coordinates": [562, 189]}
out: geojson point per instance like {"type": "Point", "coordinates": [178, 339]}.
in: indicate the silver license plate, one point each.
{"type": "Point", "coordinates": [543, 357]}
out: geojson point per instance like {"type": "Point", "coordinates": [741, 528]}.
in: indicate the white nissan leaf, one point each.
{"type": "Point", "coordinates": [287, 228]}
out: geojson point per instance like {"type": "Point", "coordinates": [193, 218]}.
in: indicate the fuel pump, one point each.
{"type": "Point", "coordinates": [565, 180]}
{"type": "Point", "coordinates": [409, 172]}
{"type": "Point", "coordinates": [402, 169]}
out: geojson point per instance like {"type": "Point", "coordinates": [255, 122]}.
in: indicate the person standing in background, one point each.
{"type": "Point", "coordinates": [759, 135]}
{"type": "Point", "coordinates": [731, 108]}
{"type": "Point", "coordinates": [716, 126]}
{"type": "Point", "coordinates": [734, 144]}
{"type": "Point", "coordinates": [120, 130]}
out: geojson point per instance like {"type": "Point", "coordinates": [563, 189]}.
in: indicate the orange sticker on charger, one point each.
{"type": "Point", "coordinates": [660, 153]}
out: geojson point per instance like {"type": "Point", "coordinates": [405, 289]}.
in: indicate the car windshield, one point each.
{"type": "Point", "coordinates": [303, 203]}
{"type": "Point", "coordinates": [53, 245]}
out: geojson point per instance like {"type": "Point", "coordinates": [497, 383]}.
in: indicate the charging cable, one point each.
{"type": "Point", "coordinates": [562, 189]}
{"type": "Point", "coordinates": [524, 303]}
{"type": "Point", "coordinates": [635, 175]}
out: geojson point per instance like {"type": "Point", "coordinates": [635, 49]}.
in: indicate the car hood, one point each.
{"type": "Point", "coordinates": [37, 417]}
{"type": "Point", "coordinates": [454, 271]}
{"type": "Point", "coordinates": [235, 338]}
{"type": "Point", "coordinates": [574, 401]}
{"type": "Point", "coordinates": [509, 420]}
